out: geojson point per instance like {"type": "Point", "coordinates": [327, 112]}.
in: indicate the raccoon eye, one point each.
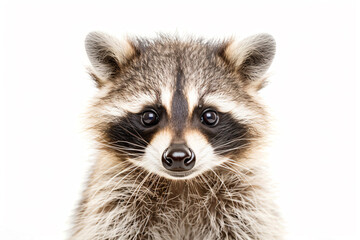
{"type": "Point", "coordinates": [210, 118]}
{"type": "Point", "coordinates": [149, 118]}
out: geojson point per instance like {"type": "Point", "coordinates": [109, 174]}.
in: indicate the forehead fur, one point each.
{"type": "Point", "coordinates": [156, 66]}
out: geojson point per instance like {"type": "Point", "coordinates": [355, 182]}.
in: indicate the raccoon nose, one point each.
{"type": "Point", "coordinates": [178, 157]}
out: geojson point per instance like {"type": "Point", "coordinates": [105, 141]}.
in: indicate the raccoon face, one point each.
{"type": "Point", "coordinates": [179, 108]}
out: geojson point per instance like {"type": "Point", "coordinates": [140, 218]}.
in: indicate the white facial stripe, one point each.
{"type": "Point", "coordinates": [204, 152]}
{"type": "Point", "coordinates": [238, 110]}
{"type": "Point", "coordinates": [151, 161]}
{"type": "Point", "coordinates": [166, 96]}
{"type": "Point", "coordinates": [138, 102]}
{"type": "Point", "coordinates": [135, 104]}
{"type": "Point", "coordinates": [112, 110]}
{"type": "Point", "coordinates": [192, 96]}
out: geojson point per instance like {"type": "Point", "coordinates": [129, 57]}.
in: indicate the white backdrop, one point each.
{"type": "Point", "coordinates": [44, 89]}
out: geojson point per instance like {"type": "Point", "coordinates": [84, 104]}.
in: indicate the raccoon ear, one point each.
{"type": "Point", "coordinates": [107, 54]}
{"type": "Point", "coordinates": [252, 57]}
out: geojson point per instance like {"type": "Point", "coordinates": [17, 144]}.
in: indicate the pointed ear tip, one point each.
{"type": "Point", "coordinates": [89, 40]}
{"type": "Point", "coordinates": [269, 39]}
{"type": "Point", "coordinates": [265, 38]}
{"type": "Point", "coordinates": [92, 36]}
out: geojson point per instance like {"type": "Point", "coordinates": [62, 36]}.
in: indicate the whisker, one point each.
{"type": "Point", "coordinates": [238, 164]}
{"type": "Point", "coordinates": [223, 183]}
{"type": "Point", "coordinates": [138, 187]}
{"type": "Point", "coordinates": [207, 183]}
{"type": "Point", "coordinates": [242, 177]}
{"type": "Point", "coordinates": [234, 148]}
{"type": "Point", "coordinates": [107, 171]}
{"type": "Point", "coordinates": [233, 141]}
{"type": "Point", "coordinates": [131, 143]}
{"type": "Point", "coordinates": [122, 147]}
{"type": "Point", "coordinates": [103, 186]}
{"type": "Point", "coordinates": [138, 135]}
{"type": "Point", "coordinates": [125, 151]}
{"type": "Point", "coordinates": [132, 134]}
{"type": "Point", "coordinates": [220, 132]}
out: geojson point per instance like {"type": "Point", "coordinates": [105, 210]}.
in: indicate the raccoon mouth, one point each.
{"type": "Point", "coordinates": [180, 174]}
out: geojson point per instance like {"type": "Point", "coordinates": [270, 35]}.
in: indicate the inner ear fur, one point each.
{"type": "Point", "coordinates": [107, 55]}
{"type": "Point", "coordinates": [251, 57]}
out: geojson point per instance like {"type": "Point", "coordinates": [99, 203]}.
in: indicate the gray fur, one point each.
{"type": "Point", "coordinates": [123, 198]}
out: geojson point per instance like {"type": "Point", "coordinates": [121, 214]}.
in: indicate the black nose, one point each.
{"type": "Point", "coordinates": [178, 157]}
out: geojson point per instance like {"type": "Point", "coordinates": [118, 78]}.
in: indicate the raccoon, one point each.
{"type": "Point", "coordinates": [179, 129]}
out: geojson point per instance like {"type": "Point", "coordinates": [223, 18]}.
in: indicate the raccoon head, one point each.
{"type": "Point", "coordinates": [178, 108]}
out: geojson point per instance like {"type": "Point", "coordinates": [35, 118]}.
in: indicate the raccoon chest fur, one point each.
{"type": "Point", "coordinates": [179, 129]}
{"type": "Point", "coordinates": [217, 207]}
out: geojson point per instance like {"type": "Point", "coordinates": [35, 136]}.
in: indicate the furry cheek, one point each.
{"type": "Point", "coordinates": [151, 161]}
{"type": "Point", "coordinates": [206, 159]}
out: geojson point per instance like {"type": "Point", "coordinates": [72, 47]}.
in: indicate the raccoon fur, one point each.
{"type": "Point", "coordinates": [179, 129]}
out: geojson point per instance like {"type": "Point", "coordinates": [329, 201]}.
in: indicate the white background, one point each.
{"type": "Point", "coordinates": [44, 89]}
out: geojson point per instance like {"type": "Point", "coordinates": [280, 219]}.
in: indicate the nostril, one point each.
{"type": "Point", "coordinates": [189, 160]}
{"type": "Point", "coordinates": [167, 160]}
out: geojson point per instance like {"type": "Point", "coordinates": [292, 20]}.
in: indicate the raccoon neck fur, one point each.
{"type": "Point", "coordinates": [126, 202]}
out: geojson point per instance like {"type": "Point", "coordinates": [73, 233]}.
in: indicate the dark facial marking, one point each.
{"type": "Point", "coordinates": [129, 136]}
{"type": "Point", "coordinates": [179, 105]}
{"type": "Point", "coordinates": [231, 136]}
{"type": "Point", "coordinates": [228, 136]}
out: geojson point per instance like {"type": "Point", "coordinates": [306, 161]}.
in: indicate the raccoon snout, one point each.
{"type": "Point", "coordinates": [178, 157]}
